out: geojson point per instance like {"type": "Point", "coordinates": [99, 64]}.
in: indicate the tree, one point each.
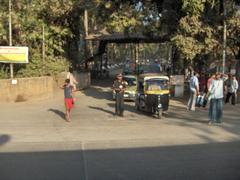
{"type": "Point", "coordinates": [27, 20]}
{"type": "Point", "coordinates": [200, 31]}
{"type": "Point", "coordinates": [194, 27]}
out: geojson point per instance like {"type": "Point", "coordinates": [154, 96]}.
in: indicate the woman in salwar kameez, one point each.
{"type": "Point", "coordinates": [216, 96]}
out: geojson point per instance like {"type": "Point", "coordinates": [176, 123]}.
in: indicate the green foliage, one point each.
{"type": "Point", "coordinates": [193, 7]}
{"type": "Point", "coordinates": [4, 72]}
{"type": "Point", "coordinates": [233, 34]}
{"type": "Point", "coordinates": [200, 31]}
{"type": "Point", "coordinates": [3, 28]}
{"type": "Point", "coordinates": [194, 37]}
{"type": "Point", "coordinates": [28, 20]}
{"type": "Point", "coordinates": [196, 7]}
{"type": "Point", "coordinates": [49, 67]}
{"type": "Point", "coordinates": [194, 27]}
{"type": "Point", "coordinates": [120, 22]}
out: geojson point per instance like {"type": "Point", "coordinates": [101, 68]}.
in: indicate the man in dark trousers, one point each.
{"type": "Point", "coordinates": [119, 87]}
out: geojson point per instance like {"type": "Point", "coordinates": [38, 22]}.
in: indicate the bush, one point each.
{"type": "Point", "coordinates": [4, 72]}
{"type": "Point", "coordinates": [51, 66]}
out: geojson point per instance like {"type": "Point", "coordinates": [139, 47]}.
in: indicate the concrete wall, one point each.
{"type": "Point", "coordinates": [24, 89]}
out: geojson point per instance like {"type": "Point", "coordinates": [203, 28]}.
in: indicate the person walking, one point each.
{"type": "Point", "coordinates": [202, 82]}
{"type": "Point", "coordinates": [119, 86]}
{"type": "Point", "coordinates": [216, 96]}
{"type": "Point", "coordinates": [232, 88]}
{"type": "Point", "coordinates": [68, 98]}
{"type": "Point", "coordinates": [194, 92]}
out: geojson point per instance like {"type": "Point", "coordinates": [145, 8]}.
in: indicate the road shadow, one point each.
{"type": "Point", "coordinates": [58, 112]}
{"type": "Point", "coordinates": [98, 93]}
{"type": "Point", "coordinates": [48, 165]}
{"type": "Point", "coordinates": [218, 161]}
{"type": "Point", "coordinates": [101, 109]}
{"type": "Point", "coordinates": [4, 138]}
{"type": "Point", "coordinates": [104, 83]}
{"type": "Point", "coordinates": [212, 161]}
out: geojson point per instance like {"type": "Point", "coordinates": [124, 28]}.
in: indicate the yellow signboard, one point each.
{"type": "Point", "coordinates": [13, 54]}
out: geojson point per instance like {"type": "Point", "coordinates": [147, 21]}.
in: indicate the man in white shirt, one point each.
{"type": "Point", "coordinates": [194, 92]}
{"type": "Point", "coordinates": [216, 96]}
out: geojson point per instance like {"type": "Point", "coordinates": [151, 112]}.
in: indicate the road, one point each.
{"type": "Point", "coordinates": [37, 143]}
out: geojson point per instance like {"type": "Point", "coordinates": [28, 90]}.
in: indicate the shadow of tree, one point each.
{"type": "Point", "coordinates": [104, 83]}
{"type": "Point", "coordinates": [98, 93]}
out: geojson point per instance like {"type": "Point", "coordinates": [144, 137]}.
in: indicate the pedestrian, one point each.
{"type": "Point", "coordinates": [202, 82]}
{"type": "Point", "coordinates": [68, 98]}
{"type": "Point", "coordinates": [194, 91]}
{"type": "Point", "coordinates": [73, 81]}
{"type": "Point", "coordinates": [232, 88]}
{"type": "Point", "coordinates": [209, 81]}
{"type": "Point", "coordinates": [119, 86]}
{"type": "Point", "coordinates": [216, 95]}
{"type": "Point", "coordinates": [227, 83]}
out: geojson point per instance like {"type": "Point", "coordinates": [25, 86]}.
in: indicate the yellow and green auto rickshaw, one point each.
{"type": "Point", "coordinates": [152, 93]}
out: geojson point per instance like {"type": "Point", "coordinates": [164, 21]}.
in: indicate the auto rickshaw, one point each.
{"type": "Point", "coordinates": [152, 94]}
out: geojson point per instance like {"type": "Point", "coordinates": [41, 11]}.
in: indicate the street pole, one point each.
{"type": "Point", "coordinates": [10, 33]}
{"type": "Point", "coordinates": [43, 49]}
{"type": "Point", "coordinates": [224, 36]}
{"type": "Point", "coordinates": [43, 38]}
{"type": "Point", "coordinates": [86, 34]}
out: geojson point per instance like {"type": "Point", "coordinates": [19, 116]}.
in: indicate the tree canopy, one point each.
{"type": "Point", "coordinates": [195, 28]}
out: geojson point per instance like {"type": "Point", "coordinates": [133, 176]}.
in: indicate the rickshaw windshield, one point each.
{"type": "Point", "coordinates": [156, 84]}
{"type": "Point", "coordinates": [130, 81]}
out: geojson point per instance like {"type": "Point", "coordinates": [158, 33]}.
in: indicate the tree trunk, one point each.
{"type": "Point", "coordinates": [238, 65]}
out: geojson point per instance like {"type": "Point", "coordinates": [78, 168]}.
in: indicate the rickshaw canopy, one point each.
{"type": "Point", "coordinates": [145, 77]}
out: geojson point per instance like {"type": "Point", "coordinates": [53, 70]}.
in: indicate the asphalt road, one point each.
{"type": "Point", "coordinates": [37, 144]}
{"type": "Point", "coordinates": [218, 161]}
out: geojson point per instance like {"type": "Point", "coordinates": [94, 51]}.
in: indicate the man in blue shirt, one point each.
{"type": "Point", "coordinates": [194, 91]}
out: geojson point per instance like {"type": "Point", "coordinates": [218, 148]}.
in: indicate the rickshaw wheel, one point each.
{"type": "Point", "coordinates": [137, 107]}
